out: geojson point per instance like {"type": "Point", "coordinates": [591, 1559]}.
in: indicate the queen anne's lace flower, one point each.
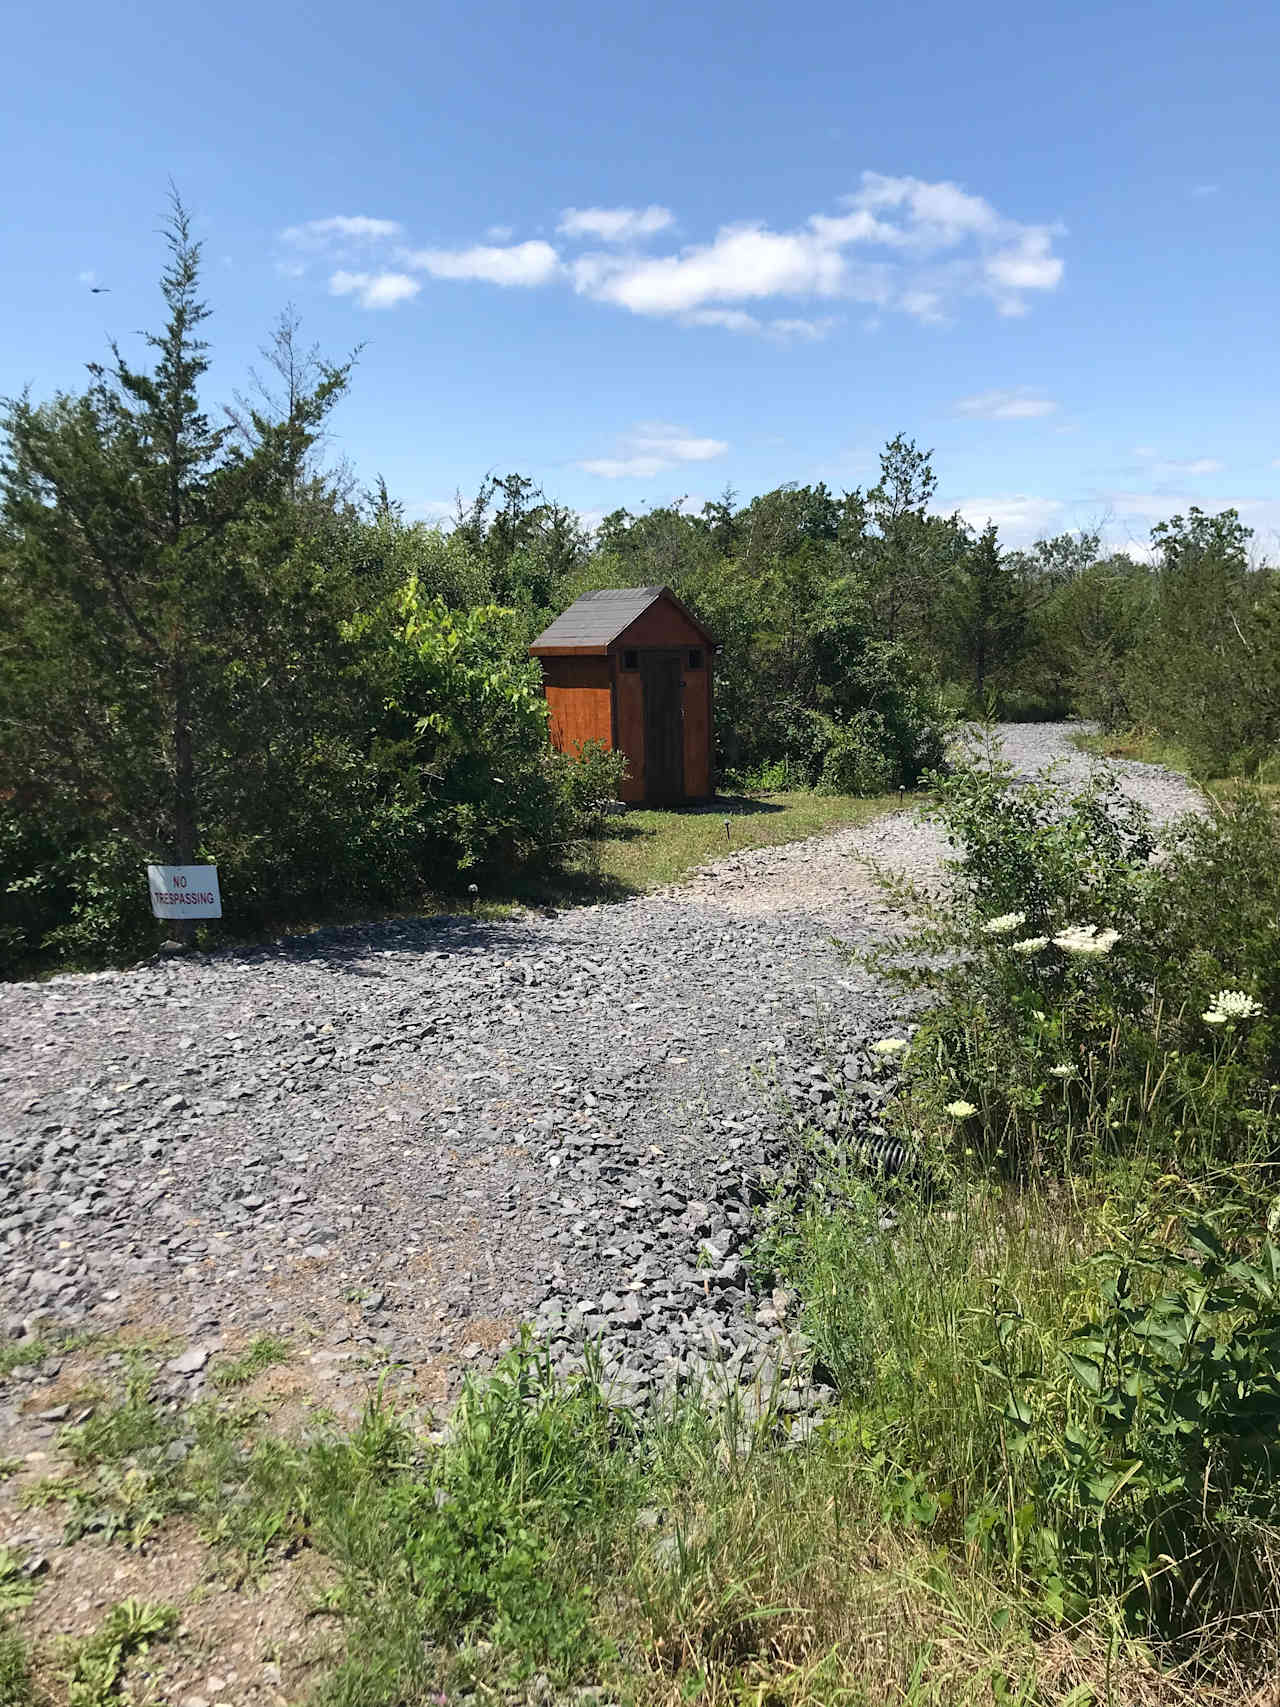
{"type": "Point", "coordinates": [960, 1110]}
{"type": "Point", "coordinates": [889, 1046]}
{"type": "Point", "coordinates": [1004, 925]}
{"type": "Point", "coordinates": [1066, 1071]}
{"type": "Point", "coordinates": [1229, 1005]}
{"type": "Point", "coordinates": [1086, 939]}
{"type": "Point", "coordinates": [1030, 945]}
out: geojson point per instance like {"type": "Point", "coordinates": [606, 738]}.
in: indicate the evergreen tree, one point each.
{"type": "Point", "coordinates": [986, 610]}
{"type": "Point", "coordinates": [135, 593]}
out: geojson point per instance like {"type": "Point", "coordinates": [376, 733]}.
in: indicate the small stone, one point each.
{"type": "Point", "coordinates": [189, 1363]}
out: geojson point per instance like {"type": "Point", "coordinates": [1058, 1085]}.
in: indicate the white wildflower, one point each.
{"type": "Point", "coordinates": [1005, 924]}
{"type": "Point", "coordinates": [1086, 939]}
{"type": "Point", "coordinates": [1213, 1017]}
{"type": "Point", "coordinates": [960, 1110]}
{"type": "Point", "coordinates": [890, 1046]}
{"type": "Point", "coordinates": [1232, 1004]}
{"type": "Point", "coordinates": [1067, 1070]}
{"type": "Point", "coordinates": [1030, 945]}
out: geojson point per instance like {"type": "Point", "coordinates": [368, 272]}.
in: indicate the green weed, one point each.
{"type": "Point", "coordinates": [16, 1687]}
{"type": "Point", "coordinates": [16, 1589]}
{"type": "Point", "coordinates": [95, 1666]}
{"type": "Point", "coordinates": [264, 1353]}
{"type": "Point", "coordinates": [493, 1536]}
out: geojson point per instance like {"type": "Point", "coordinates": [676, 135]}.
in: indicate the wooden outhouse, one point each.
{"type": "Point", "coordinates": [631, 667]}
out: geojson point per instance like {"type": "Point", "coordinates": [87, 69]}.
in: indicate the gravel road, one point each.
{"type": "Point", "coordinates": [398, 1142]}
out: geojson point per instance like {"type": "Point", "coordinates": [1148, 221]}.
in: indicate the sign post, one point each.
{"type": "Point", "coordinates": [184, 891]}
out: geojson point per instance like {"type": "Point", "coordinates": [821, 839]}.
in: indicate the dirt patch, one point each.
{"type": "Point", "coordinates": [255, 1645]}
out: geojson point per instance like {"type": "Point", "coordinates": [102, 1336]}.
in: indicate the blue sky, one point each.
{"type": "Point", "coordinates": [648, 251]}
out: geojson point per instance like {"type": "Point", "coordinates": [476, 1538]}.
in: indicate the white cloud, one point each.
{"type": "Point", "coordinates": [1022, 518]}
{"type": "Point", "coordinates": [935, 242]}
{"type": "Point", "coordinates": [896, 243]}
{"type": "Point", "coordinates": [88, 277]}
{"type": "Point", "coordinates": [498, 233]}
{"type": "Point", "coordinates": [1026, 264]}
{"type": "Point", "coordinates": [350, 228]}
{"type": "Point", "coordinates": [783, 328]}
{"type": "Point", "coordinates": [374, 290]}
{"type": "Point", "coordinates": [614, 224]}
{"type": "Point", "coordinates": [810, 330]}
{"type": "Point", "coordinates": [431, 510]}
{"type": "Point", "coordinates": [1170, 468]}
{"type": "Point", "coordinates": [526, 264]}
{"type": "Point", "coordinates": [926, 305]}
{"type": "Point", "coordinates": [651, 447]}
{"type": "Point", "coordinates": [731, 319]}
{"type": "Point", "coordinates": [1196, 466]}
{"type": "Point", "coordinates": [1019, 405]}
{"type": "Point", "coordinates": [743, 263]}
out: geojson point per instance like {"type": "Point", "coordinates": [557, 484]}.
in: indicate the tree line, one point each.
{"type": "Point", "coordinates": [214, 646]}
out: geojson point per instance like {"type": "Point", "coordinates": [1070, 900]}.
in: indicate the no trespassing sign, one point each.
{"type": "Point", "coordinates": [184, 891]}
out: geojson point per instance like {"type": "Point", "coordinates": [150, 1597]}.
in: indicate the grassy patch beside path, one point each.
{"type": "Point", "coordinates": [1150, 749]}
{"type": "Point", "coordinates": [645, 849]}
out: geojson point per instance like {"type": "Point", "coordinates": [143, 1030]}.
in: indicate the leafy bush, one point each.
{"type": "Point", "coordinates": [1074, 972]}
{"type": "Point", "coordinates": [879, 729]}
{"type": "Point", "coordinates": [1207, 673]}
{"type": "Point", "coordinates": [592, 779]}
{"type": "Point", "coordinates": [1148, 1448]}
{"type": "Point", "coordinates": [433, 762]}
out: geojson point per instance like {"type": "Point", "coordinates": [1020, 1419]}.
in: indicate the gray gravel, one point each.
{"type": "Point", "coordinates": [400, 1141]}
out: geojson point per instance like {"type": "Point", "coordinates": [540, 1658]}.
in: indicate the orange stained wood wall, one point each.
{"type": "Point", "coordinates": [578, 692]}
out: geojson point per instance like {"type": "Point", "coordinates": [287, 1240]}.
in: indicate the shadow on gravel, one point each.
{"type": "Point", "coordinates": [347, 947]}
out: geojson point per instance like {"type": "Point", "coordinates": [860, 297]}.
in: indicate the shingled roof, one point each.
{"type": "Point", "coordinates": [596, 620]}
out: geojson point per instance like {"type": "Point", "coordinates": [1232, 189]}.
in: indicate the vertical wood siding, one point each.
{"type": "Point", "coordinates": [581, 703]}
{"type": "Point", "coordinates": [631, 729]}
{"type": "Point", "coordinates": [697, 728]}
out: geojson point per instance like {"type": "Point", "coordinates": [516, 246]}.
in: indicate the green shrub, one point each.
{"type": "Point", "coordinates": [591, 781]}
{"type": "Point", "coordinates": [1072, 974]}
{"type": "Point", "coordinates": [1148, 1448]}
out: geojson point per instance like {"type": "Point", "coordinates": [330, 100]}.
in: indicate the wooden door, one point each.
{"type": "Point", "coordinates": [662, 673]}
